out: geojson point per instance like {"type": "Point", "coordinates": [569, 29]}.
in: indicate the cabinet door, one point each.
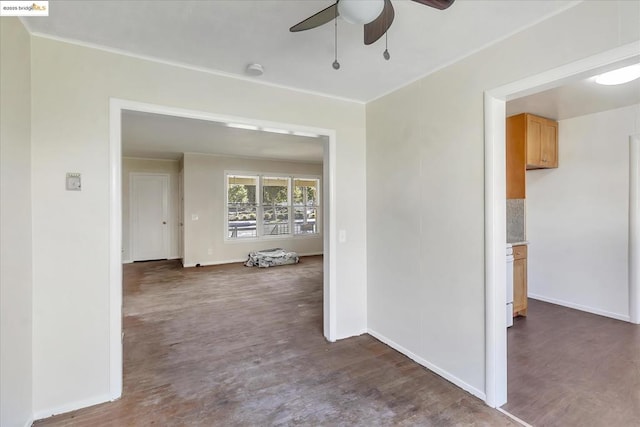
{"type": "Point", "coordinates": [520, 287]}
{"type": "Point", "coordinates": [535, 130]}
{"type": "Point", "coordinates": [516, 156]}
{"type": "Point", "coordinates": [549, 145]}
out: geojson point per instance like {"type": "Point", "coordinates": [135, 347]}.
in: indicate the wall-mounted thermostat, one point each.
{"type": "Point", "coordinates": [73, 182]}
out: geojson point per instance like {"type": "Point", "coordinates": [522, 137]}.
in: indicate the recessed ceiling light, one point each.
{"type": "Point", "coordinates": [242, 126]}
{"type": "Point", "coordinates": [619, 76]}
{"type": "Point", "coordinates": [254, 70]}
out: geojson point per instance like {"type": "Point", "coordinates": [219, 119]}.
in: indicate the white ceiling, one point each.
{"type": "Point", "coordinates": [577, 99]}
{"type": "Point", "coordinates": [165, 137]}
{"type": "Point", "coordinates": [225, 36]}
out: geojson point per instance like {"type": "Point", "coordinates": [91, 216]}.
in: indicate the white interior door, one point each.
{"type": "Point", "coordinates": [149, 216]}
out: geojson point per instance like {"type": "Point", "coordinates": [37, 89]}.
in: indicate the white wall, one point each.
{"type": "Point", "coordinates": [578, 216]}
{"type": "Point", "coordinates": [170, 167]}
{"type": "Point", "coordinates": [71, 89]}
{"type": "Point", "coordinates": [204, 196]}
{"type": "Point", "coordinates": [425, 188]}
{"type": "Point", "coordinates": [15, 225]}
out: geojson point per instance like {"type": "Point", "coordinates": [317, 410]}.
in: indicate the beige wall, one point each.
{"type": "Point", "coordinates": [425, 187]}
{"type": "Point", "coordinates": [578, 216]}
{"type": "Point", "coordinates": [71, 89]}
{"type": "Point", "coordinates": [15, 225]}
{"type": "Point", "coordinates": [169, 167]}
{"type": "Point", "coordinates": [205, 197]}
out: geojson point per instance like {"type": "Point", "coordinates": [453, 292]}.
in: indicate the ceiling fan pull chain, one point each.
{"type": "Point", "coordinates": [386, 54]}
{"type": "Point", "coordinates": [336, 64]}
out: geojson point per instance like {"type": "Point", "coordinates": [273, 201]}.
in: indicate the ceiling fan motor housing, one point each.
{"type": "Point", "coordinates": [360, 11]}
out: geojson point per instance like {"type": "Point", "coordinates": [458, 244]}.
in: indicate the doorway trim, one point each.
{"type": "Point", "coordinates": [116, 107]}
{"type": "Point", "coordinates": [634, 228]}
{"type": "Point", "coordinates": [495, 206]}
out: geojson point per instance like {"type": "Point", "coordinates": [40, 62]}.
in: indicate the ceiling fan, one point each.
{"type": "Point", "coordinates": [376, 15]}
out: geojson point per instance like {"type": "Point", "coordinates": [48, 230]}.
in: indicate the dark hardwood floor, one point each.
{"type": "Point", "coordinates": [237, 346]}
{"type": "Point", "coordinates": [571, 368]}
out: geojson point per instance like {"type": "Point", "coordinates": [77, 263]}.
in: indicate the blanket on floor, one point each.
{"type": "Point", "coordinates": [271, 257]}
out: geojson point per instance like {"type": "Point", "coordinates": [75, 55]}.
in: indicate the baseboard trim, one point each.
{"type": "Point", "coordinates": [206, 264]}
{"type": "Point", "coordinates": [130, 261]}
{"type": "Point", "coordinates": [623, 317]}
{"type": "Point", "coordinates": [68, 407]}
{"type": "Point", "coordinates": [29, 422]}
{"type": "Point", "coordinates": [233, 261]}
{"type": "Point", "coordinates": [514, 418]}
{"type": "Point", "coordinates": [355, 334]}
{"type": "Point", "coordinates": [443, 373]}
{"type": "Point", "coordinates": [311, 254]}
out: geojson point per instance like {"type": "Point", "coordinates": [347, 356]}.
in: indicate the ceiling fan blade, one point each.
{"type": "Point", "coordinates": [376, 28]}
{"type": "Point", "coordinates": [438, 4]}
{"type": "Point", "coordinates": [320, 18]}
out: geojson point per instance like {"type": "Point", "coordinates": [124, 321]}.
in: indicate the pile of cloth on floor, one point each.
{"type": "Point", "coordinates": [271, 257]}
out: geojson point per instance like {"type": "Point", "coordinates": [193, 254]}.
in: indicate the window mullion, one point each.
{"type": "Point", "coordinates": [260, 210]}
{"type": "Point", "coordinates": [290, 207]}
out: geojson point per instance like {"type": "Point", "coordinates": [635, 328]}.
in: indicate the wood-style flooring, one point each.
{"type": "Point", "coordinates": [571, 368]}
{"type": "Point", "coordinates": [237, 346]}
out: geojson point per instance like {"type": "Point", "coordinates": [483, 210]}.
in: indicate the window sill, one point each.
{"type": "Point", "coordinates": [270, 238]}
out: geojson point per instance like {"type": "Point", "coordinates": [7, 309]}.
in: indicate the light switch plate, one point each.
{"type": "Point", "coordinates": [74, 182]}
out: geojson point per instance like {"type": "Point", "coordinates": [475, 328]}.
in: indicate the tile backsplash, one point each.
{"type": "Point", "coordinates": [515, 220]}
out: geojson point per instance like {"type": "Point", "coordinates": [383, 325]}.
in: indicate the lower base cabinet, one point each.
{"type": "Point", "coordinates": [520, 280]}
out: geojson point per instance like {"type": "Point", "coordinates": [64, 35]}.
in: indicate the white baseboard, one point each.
{"type": "Point", "coordinates": [233, 261]}
{"type": "Point", "coordinates": [205, 264]}
{"type": "Point", "coordinates": [68, 407]}
{"type": "Point", "coordinates": [127, 261]}
{"type": "Point", "coordinates": [311, 254]}
{"type": "Point", "coordinates": [591, 310]}
{"type": "Point", "coordinates": [29, 422]}
{"type": "Point", "coordinates": [444, 374]}
{"type": "Point", "coordinates": [514, 418]}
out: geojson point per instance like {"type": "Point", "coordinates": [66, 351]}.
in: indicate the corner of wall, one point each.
{"type": "Point", "coordinates": [16, 275]}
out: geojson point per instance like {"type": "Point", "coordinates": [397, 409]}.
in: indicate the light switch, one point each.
{"type": "Point", "coordinates": [73, 182]}
{"type": "Point", "coordinates": [194, 217]}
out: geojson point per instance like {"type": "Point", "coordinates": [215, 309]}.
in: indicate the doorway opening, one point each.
{"type": "Point", "coordinates": [495, 206]}
{"type": "Point", "coordinates": [326, 137]}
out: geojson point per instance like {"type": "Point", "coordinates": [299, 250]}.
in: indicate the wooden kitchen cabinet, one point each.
{"type": "Point", "coordinates": [520, 280]}
{"type": "Point", "coordinates": [541, 142]}
{"type": "Point", "coordinates": [532, 143]}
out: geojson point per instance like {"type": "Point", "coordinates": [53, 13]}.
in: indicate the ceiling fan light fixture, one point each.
{"type": "Point", "coordinates": [619, 76]}
{"type": "Point", "coordinates": [360, 11]}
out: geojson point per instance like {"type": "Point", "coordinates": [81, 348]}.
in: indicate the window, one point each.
{"type": "Point", "coordinates": [242, 206]}
{"type": "Point", "coordinates": [265, 205]}
{"type": "Point", "coordinates": [275, 206]}
{"type": "Point", "coordinates": [305, 205]}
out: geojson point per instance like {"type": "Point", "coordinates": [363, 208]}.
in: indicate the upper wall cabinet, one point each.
{"type": "Point", "coordinates": [532, 143]}
{"type": "Point", "coordinates": [541, 142]}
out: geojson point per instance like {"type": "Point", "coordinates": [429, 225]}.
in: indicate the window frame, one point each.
{"type": "Point", "coordinates": [260, 206]}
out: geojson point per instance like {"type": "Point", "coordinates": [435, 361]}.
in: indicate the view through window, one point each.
{"type": "Point", "coordinates": [265, 205]}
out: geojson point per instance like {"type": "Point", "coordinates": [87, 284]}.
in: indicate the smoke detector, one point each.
{"type": "Point", "coordinates": [254, 70]}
